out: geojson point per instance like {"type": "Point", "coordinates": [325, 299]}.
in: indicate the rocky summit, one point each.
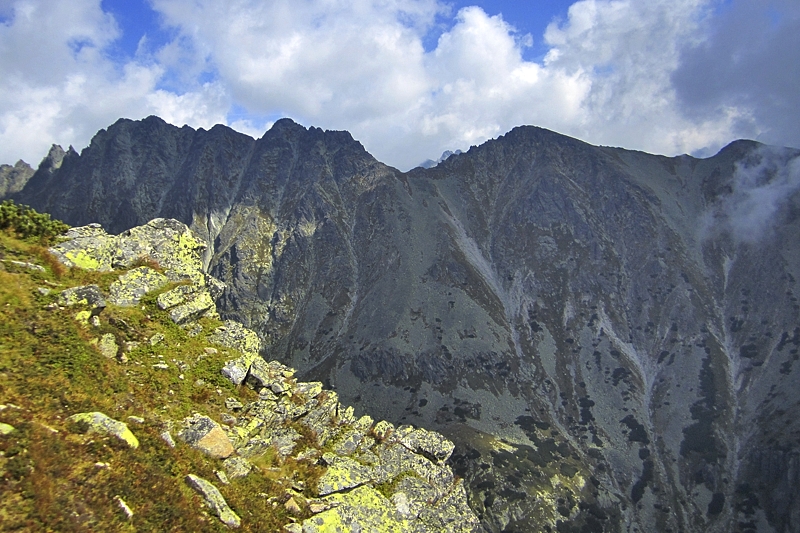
{"type": "Point", "coordinates": [610, 338]}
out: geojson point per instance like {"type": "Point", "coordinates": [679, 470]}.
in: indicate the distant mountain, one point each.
{"type": "Point", "coordinates": [13, 179]}
{"type": "Point", "coordinates": [430, 163]}
{"type": "Point", "coordinates": [610, 337]}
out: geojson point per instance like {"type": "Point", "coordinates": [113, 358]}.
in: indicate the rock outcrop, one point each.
{"type": "Point", "coordinates": [372, 476]}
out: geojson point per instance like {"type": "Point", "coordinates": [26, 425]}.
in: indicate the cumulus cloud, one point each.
{"type": "Point", "coordinates": [612, 75]}
{"type": "Point", "coordinates": [362, 66]}
{"type": "Point", "coordinates": [59, 85]}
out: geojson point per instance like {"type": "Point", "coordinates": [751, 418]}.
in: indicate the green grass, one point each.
{"type": "Point", "coordinates": [49, 478]}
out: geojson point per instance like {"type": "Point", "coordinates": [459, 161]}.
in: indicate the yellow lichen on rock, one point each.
{"type": "Point", "coordinates": [362, 509]}
{"type": "Point", "coordinates": [100, 423]}
{"type": "Point", "coordinates": [134, 284]}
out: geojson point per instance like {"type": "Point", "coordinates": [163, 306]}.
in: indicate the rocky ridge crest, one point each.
{"type": "Point", "coordinates": [368, 476]}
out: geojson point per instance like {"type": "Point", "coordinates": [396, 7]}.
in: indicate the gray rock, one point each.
{"type": "Point", "coordinates": [100, 423]}
{"type": "Point", "coordinates": [166, 436]}
{"type": "Point", "coordinates": [87, 296]}
{"type": "Point", "coordinates": [133, 285]}
{"type": "Point", "coordinates": [343, 473]}
{"type": "Point", "coordinates": [214, 500]}
{"type": "Point", "coordinates": [206, 435]}
{"type": "Point", "coordinates": [237, 467]}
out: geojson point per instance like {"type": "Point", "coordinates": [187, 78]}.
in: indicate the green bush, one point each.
{"type": "Point", "coordinates": [26, 222]}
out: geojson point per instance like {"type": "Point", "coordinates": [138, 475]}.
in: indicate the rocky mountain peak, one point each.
{"type": "Point", "coordinates": [584, 322]}
{"type": "Point", "coordinates": [14, 178]}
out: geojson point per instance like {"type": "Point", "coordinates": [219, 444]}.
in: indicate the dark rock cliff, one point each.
{"type": "Point", "coordinates": [610, 337]}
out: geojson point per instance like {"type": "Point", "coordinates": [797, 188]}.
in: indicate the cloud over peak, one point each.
{"type": "Point", "coordinates": [616, 73]}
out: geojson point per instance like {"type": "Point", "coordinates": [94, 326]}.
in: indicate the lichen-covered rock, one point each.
{"type": "Point", "coordinates": [175, 296]}
{"type": "Point", "coordinates": [87, 247]}
{"type": "Point", "coordinates": [448, 513]}
{"type": "Point", "coordinates": [260, 374]}
{"type": "Point", "coordinates": [204, 434]}
{"type": "Point", "coordinates": [429, 443]}
{"type": "Point", "coordinates": [284, 440]}
{"type": "Point", "coordinates": [214, 500]}
{"type": "Point", "coordinates": [237, 467]}
{"type": "Point", "coordinates": [417, 495]}
{"type": "Point", "coordinates": [234, 335]}
{"type": "Point", "coordinates": [168, 242]}
{"type": "Point", "coordinates": [236, 370]}
{"type": "Point", "coordinates": [383, 429]}
{"type": "Point", "coordinates": [342, 473]}
{"type": "Point", "coordinates": [195, 306]}
{"type": "Point", "coordinates": [348, 441]}
{"type": "Point", "coordinates": [6, 429]}
{"type": "Point", "coordinates": [97, 422]}
{"type": "Point", "coordinates": [131, 286]}
{"type": "Point", "coordinates": [107, 344]}
{"type": "Point", "coordinates": [362, 509]}
{"type": "Point", "coordinates": [88, 296]}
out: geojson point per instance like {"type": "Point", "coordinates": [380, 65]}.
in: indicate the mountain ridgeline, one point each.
{"type": "Point", "coordinates": [610, 337]}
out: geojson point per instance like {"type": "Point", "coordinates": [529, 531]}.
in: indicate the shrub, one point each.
{"type": "Point", "coordinates": [26, 222]}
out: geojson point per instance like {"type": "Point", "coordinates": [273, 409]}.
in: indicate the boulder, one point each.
{"type": "Point", "coordinates": [107, 344]}
{"type": "Point", "coordinates": [87, 247]}
{"type": "Point", "coordinates": [362, 509]}
{"type": "Point", "coordinates": [343, 473]}
{"type": "Point", "coordinates": [234, 335]}
{"type": "Point", "coordinates": [133, 285]}
{"type": "Point", "coordinates": [214, 500]}
{"type": "Point", "coordinates": [100, 423]}
{"type": "Point", "coordinates": [195, 306]}
{"type": "Point", "coordinates": [175, 296]}
{"type": "Point", "coordinates": [237, 467]}
{"type": "Point", "coordinates": [169, 243]}
{"type": "Point", "coordinates": [428, 443]}
{"type": "Point", "coordinates": [202, 433]}
{"type": "Point", "coordinates": [237, 337]}
{"type": "Point", "coordinates": [236, 370]}
{"type": "Point", "coordinates": [88, 296]}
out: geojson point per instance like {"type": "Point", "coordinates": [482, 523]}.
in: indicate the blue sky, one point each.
{"type": "Point", "coordinates": [408, 78]}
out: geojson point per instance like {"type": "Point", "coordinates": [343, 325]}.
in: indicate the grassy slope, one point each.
{"type": "Point", "coordinates": [49, 474]}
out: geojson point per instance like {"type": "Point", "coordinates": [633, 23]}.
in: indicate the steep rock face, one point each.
{"type": "Point", "coordinates": [13, 179]}
{"type": "Point", "coordinates": [609, 337]}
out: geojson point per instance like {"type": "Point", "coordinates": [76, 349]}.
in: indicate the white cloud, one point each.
{"type": "Point", "coordinates": [361, 65]}
{"type": "Point", "coordinates": [59, 85]}
{"type": "Point", "coordinates": [763, 183]}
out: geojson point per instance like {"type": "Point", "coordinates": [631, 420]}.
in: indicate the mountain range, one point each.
{"type": "Point", "coordinates": [609, 337]}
